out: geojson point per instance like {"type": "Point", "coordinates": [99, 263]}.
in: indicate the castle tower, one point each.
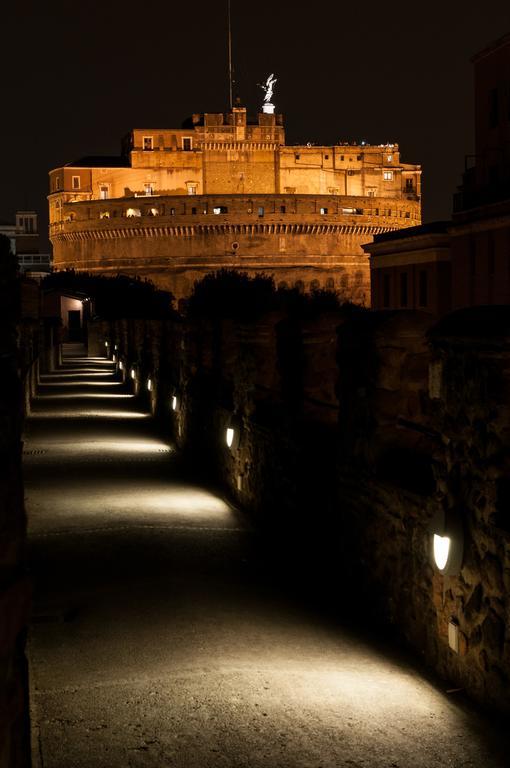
{"type": "Point", "coordinates": [224, 191]}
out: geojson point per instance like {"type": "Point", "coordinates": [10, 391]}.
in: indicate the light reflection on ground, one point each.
{"type": "Point", "coordinates": [85, 396]}
{"type": "Point", "coordinates": [81, 413]}
{"type": "Point", "coordinates": [86, 384]}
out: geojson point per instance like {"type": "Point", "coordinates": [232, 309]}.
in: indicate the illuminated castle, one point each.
{"type": "Point", "coordinates": [223, 192]}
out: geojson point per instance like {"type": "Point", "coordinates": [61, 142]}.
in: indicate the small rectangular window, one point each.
{"type": "Point", "coordinates": [261, 210]}
{"type": "Point", "coordinates": [192, 189]}
{"type": "Point", "coordinates": [172, 211]}
{"type": "Point", "coordinates": [187, 143]}
{"type": "Point", "coordinates": [386, 290]}
{"type": "Point", "coordinates": [103, 192]}
{"type": "Point", "coordinates": [423, 288]}
{"type": "Point", "coordinates": [76, 182]}
{"type": "Point", "coordinates": [282, 209]}
{"type": "Point", "coordinates": [193, 211]}
{"type": "Point", "coordinates": [220, 209]}
{"type": "Point", "coordinates": [403, 289]}
{"type": "Point", "coordinates": [149, 188]}
{"type": "Point", "coordinates": [148, 143]}
{"type": "Point", "coordinates": [388, 175]}
{"type": "Point", "coordinates": [324, 211]}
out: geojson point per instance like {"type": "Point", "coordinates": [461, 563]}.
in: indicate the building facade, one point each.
{"type": "Point", "coordinates": [25, 243]}
{"type": "Point", "coordinates": [222, 192]}
{"type": "Point", "coordinates": [464, 262]}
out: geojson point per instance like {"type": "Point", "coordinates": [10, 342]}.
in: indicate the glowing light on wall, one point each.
{"type": "Point", "coordinates": [175, 403]}
{"type": "Point", "coordinates": [149, 385]}
{"type": "Point", "coordinates": [441, 550]}
{"type": "Point", "coordinates": [121, 366]}
{"type": "Point", "coordinates": [447, 550]}
{"type": "Point", "coordinates": [132, 373]}
{"type": "Point", "coordinates": [233, 432]}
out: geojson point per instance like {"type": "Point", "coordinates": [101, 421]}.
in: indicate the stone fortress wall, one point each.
{"type": "Point", "coordinates": [220, 192]}
{"type": "Point", "coordinates": [304, 241]}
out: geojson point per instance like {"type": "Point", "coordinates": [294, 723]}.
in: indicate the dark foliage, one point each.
{"type": "Point", "coordinates": [229, 293]}
{"type": "Point", "coordinates": [115, 297]}
{"type": "Point", "coordinates": [234, 294]}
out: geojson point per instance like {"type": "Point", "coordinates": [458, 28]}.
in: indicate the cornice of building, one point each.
{"type": "Point", "coordinates": [74, 233]}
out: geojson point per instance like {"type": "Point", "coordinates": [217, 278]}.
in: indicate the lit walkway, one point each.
{"type": "Point", "coordinates": [158, 639]}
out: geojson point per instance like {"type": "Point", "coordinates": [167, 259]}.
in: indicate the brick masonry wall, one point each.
{"type": "Point", "coordinates": [356, 430]}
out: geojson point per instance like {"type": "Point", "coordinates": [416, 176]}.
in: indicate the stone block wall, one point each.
{"type": "Point", "coordinates": [355, 430]}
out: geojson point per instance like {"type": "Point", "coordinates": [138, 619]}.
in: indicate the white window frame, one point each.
{"type": "Point", "coordinates": [388, 175]}
{"type": "Point", "coordinates": [148, 188]}
{"type": "Point", "coordinates": [187, 138]}
{"type": "Point", "coordinates": [103, 188]}
{"type": "Point", "coordinates": [78, 185]}
{"type": "Point", "coordinates": [324, 211]}
{"type": "Point", "coordinates": [150, 139]}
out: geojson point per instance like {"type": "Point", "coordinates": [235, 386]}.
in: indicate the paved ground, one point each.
{"type": "Point", "coordinates": [162, 638]}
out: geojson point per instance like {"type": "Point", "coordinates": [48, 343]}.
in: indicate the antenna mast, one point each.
{"type": "Point", "coordinates": [230, 55]}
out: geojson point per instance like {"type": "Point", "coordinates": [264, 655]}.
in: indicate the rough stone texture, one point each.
{"type": "Point", "coordinates": [14, 591]}
{"type": "Point", "coordinates": [360, 427]}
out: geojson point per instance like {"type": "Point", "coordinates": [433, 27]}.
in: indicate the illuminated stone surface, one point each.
{"type": "Point", "coordinates": [163, 637]}
{"type": "Point", "coordinates": [224, 192]}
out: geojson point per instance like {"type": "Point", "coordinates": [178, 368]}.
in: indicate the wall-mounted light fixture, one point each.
{"type": "Point", "coordinates": [233, 432]}
{"type": "Point", "coordinates": [116, 347]}
{"type": "Point", "coordinates": [121, 365]}
{"type": "Point", "coordinates": [174, 402]}
{"type": "Point", "coordinates": [149, 385]}
{"type": "Point", "coordinates": [447, 542]}
{"type": "Point", "coordinates": [107, 344]}
{"type": "Point", "coordinates": [132, 373]}
{"type": "Point", "coordinates": [114, 358]}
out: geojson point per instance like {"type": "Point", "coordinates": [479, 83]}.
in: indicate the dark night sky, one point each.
{"type": "Point", "coordinates": [78, 76]}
